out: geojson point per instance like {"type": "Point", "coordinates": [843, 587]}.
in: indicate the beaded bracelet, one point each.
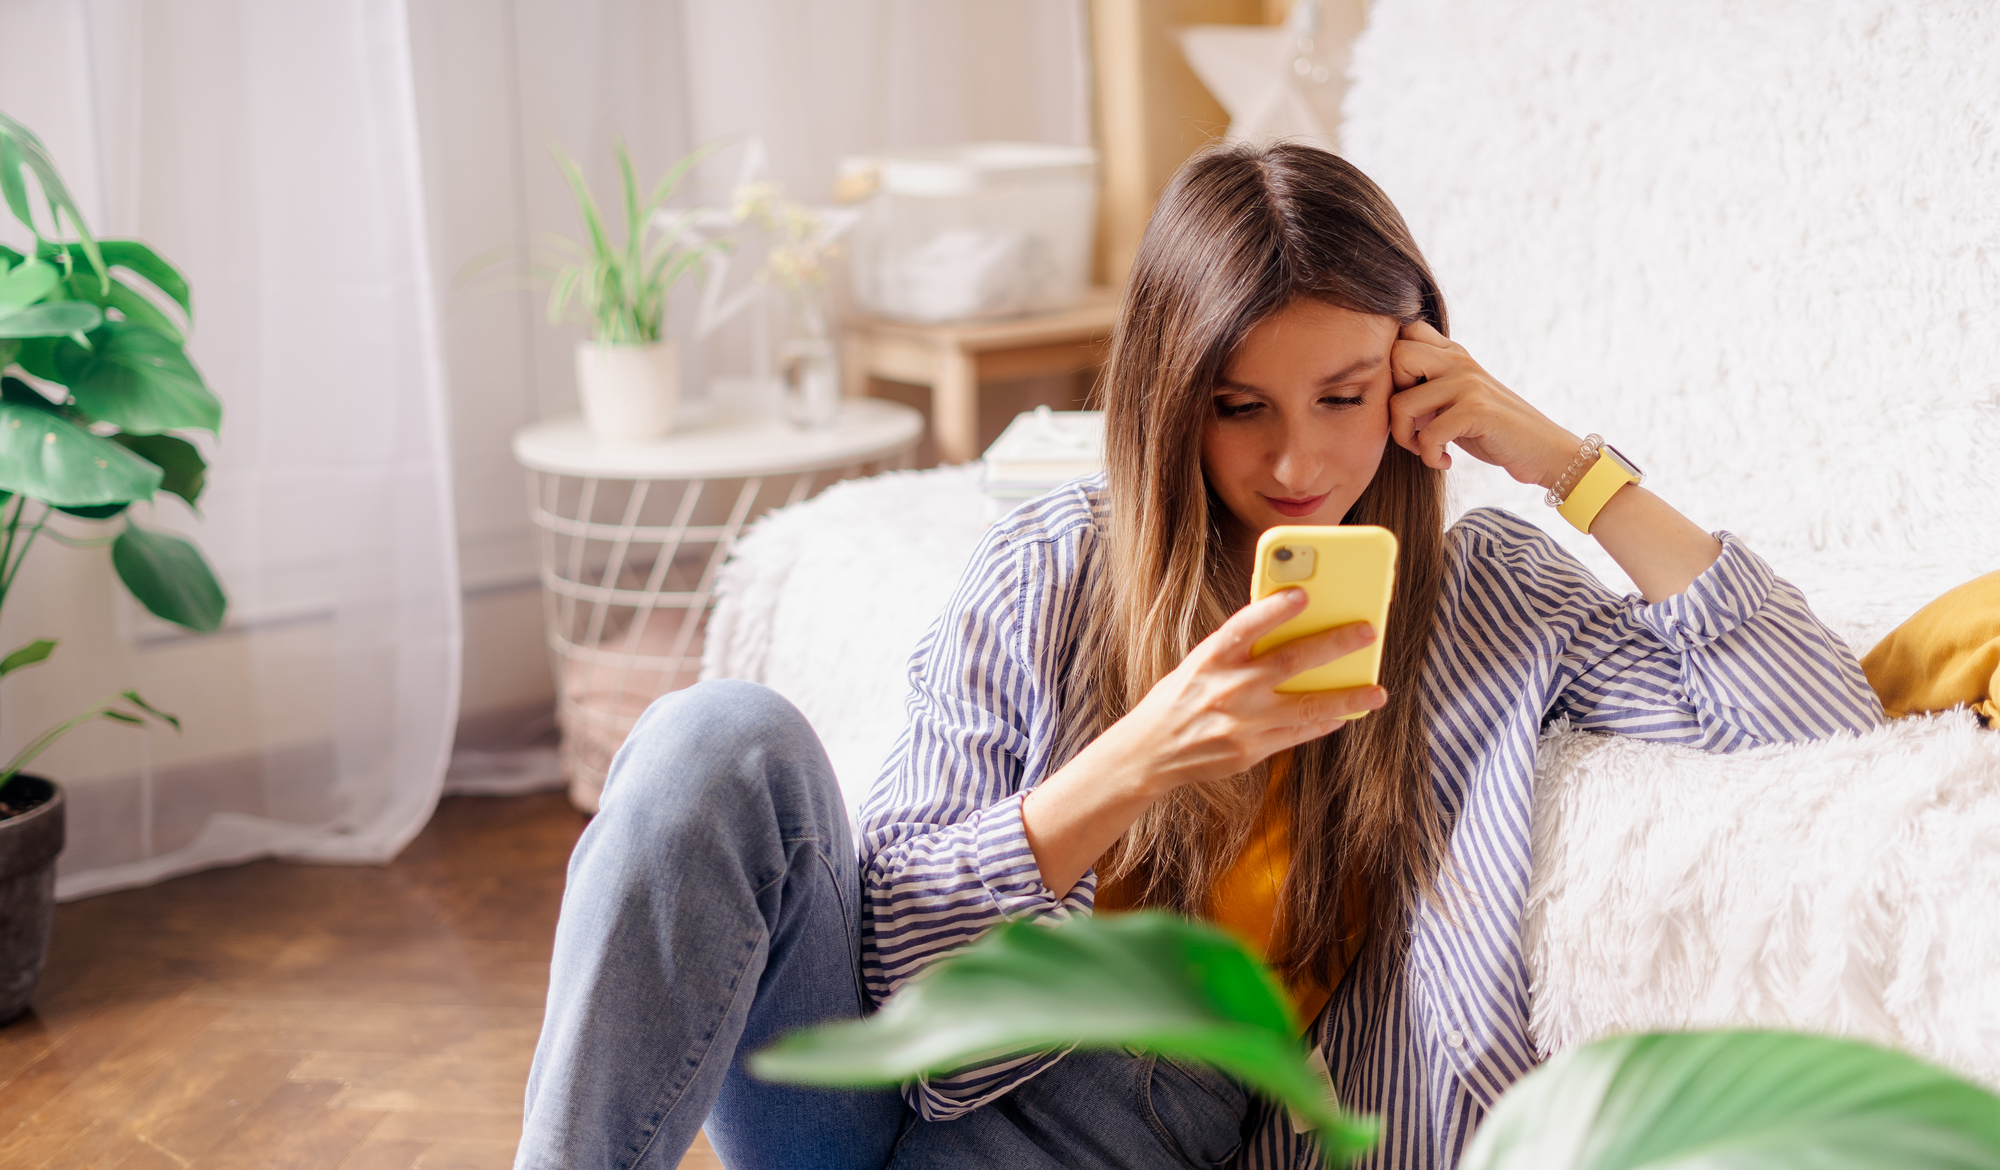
{"type": "Point", "coordinates": [1592, 446]}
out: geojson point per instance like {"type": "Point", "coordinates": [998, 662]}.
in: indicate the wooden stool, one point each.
{"type": "Point", "coordinates": [954, 359]}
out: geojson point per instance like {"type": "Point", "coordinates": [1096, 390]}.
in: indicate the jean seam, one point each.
{"type": "Point", "coordinates": [1143, 1089]}
{"type": "Point", "coordinates": [708, 1047]}
{"type": "Point", "coordinates": [1199, 1082]}
{"type": "Point", "coordinates": [849, 916]}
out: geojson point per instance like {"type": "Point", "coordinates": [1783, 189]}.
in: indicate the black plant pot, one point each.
{"type": "Point", "coordinates": [29, 843]}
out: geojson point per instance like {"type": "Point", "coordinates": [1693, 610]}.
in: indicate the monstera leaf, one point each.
{"type": "Point", "coordinates": [137, 378]}
{"type": "Point", "coordinates": [23, 153]}
{"type": "Point", "coordinates": [169, 577]}
{"type": "Point", "coordinates": [45, 457]}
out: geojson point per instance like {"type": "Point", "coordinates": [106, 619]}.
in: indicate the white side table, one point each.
{"type": "Point", "coordinates": [631, 539]}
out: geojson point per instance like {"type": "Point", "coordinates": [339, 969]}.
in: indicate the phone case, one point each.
{"type": "Point", "coordinates": [1351, 579]}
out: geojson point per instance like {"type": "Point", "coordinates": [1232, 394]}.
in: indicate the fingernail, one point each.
{"type": "Point", "coordinates": [1378, 700]}
{"type": "Point", "coordinates": [1367, 632]}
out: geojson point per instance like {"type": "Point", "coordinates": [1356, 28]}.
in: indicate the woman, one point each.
{"type": "Point", "coordinates": [1088, 728]}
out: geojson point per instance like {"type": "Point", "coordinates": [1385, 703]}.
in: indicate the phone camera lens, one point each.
{"type": "Point", "coordinates": [1282, 554]}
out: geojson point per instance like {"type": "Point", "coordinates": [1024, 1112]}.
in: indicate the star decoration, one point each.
{"type": "Point", "coordinates": [790, 242]}
{"type": "Point", "coordinates": [1283, 82]}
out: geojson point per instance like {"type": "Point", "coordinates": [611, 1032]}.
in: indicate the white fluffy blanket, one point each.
{"type": "Point", "coordinates": [1753, 245]}
{"type": "Point", "coordinates": [824, 601]}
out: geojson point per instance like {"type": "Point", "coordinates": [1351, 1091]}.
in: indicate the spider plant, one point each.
{"type": "Point", "coordinates": [621, 288]}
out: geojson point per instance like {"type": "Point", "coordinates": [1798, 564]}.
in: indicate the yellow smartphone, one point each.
{"type": "Point", "coordinates": [1348, 572]}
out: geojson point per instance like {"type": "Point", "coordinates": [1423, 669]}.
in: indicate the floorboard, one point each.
{"type": "Point", "coordinates": [306, 1017]}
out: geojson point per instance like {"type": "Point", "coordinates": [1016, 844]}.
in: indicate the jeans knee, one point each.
{"type": "Point", "coordinates": [711, 753]}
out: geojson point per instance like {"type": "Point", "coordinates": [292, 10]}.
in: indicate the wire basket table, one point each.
{"type": "Point", "coordinates": [632, 536]}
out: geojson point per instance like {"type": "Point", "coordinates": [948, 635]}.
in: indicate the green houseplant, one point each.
{"type": "Point", "coordinates": [94, 378]}
{"type": "Point", "coordinates": [627, 375]}
{"type": "Point", "coordinates": [1735, 1100]}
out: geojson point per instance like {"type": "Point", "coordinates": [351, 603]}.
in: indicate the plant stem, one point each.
{"type": "Point", "coordinates": [68, 541]}
{"type": "Point", "coordinates": [8, 572]}
{"type": "Point", "coordinates": [7, 550]}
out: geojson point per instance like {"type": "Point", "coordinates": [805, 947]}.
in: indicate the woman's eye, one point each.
{"type": "Point", "coordinates": [1337, 400]}
{"type": "Point", "coordinates": [1227, 409]}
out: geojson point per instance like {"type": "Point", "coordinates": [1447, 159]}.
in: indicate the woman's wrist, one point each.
{"type": "Point", "coordinates": [1561, 452]}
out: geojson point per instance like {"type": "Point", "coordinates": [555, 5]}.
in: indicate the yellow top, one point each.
{"type": "Point", "coordinates": [1948, 653]}
{"type": "Point", "coordinates": [1244, 901]}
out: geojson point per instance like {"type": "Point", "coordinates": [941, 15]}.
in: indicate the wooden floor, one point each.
{"type": "Point", "coordinates": [305, 1017]}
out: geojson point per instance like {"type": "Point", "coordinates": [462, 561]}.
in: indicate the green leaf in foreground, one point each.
{"type": "Point", "coordinates": [1738, 1101]}
{"type": "Point", "coordinates": [169, 578]}
{"type": "Point", "coordinates": [1149, 980]}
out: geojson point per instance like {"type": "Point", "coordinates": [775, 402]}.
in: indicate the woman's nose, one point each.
{"type": "Point", "coordinates": [1295, 467]}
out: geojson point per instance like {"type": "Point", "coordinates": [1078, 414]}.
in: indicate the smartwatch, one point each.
{"type": "Point", "coordinates": [1611, 472]}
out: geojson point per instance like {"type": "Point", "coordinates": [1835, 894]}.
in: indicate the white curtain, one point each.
{"type": "Point", "coordinates": [271, 151]}
{"type": "Point", "coordinates": [328, 173]}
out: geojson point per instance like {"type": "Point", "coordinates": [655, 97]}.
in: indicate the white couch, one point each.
{"type": "Point", "coordinates": [1757, 246]}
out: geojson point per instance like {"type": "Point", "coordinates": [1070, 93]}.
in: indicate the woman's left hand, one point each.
{"type": "Point", "coordinates": [1443, 397]}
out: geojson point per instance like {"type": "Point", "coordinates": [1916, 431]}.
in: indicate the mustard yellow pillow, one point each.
{"type": "Point", "coordinates": [1948, 653]}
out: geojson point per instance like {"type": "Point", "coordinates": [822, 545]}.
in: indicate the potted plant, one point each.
{"type": "Point", "coordinates": [93, 380]}
{"type": "Point", "coordinates": [627, 375]}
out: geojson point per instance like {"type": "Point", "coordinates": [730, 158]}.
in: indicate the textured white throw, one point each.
{"type": "Point", "coordinates": [1758, 248]}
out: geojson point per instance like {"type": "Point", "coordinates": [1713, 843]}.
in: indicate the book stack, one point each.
{"type": "Point", "coordinates": [1041, 450]}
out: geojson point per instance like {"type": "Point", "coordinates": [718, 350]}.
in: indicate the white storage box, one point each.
{"type": "Point", "coordinates": [987, 229]}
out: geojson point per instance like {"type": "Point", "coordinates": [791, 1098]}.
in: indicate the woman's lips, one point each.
{"type": "Point", "coordinates": [1304, 507]}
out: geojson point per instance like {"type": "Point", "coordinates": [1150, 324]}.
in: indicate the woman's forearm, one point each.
{"type": "Point", "coordinates": [1072, 817]}
{"type": "Point", "coordinates": [1660, 549]}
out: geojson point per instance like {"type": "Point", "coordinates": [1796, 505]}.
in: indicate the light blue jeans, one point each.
{"type": "Point", "coordinates": [713, 905]}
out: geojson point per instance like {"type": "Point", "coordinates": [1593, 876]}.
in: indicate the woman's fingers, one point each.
{"type": "Point", "coordinates": [1235, 637]}
{"type": "Point", "coordinates": [1412, 411]}
{"type": "Point", "coordinates": [1412, 363]}
{"type": "Point", "coordinates": [1311, 715]}
{"type": "Point", "coordinates": [1424, 331]}
{"type": "Point", "coordinates": [1302, 654]}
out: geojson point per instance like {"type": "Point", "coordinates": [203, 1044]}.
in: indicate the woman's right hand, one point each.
{"type": "Point", "coordinates": [1215, 715]}
{"type": "Point", "coordinates": [1219, 713]}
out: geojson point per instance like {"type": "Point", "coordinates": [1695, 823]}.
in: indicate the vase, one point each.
{"type": "Point", "coordinates": [628, 392]}
{"type": "Point", "coordinates": [809, 365]}
{"type": "Point", "coordinates": [29, 842]}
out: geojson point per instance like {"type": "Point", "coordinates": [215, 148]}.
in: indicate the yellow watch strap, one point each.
{"type": "Point", "coordinates": [1593, 491]}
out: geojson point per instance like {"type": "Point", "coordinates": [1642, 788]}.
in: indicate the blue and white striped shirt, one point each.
{"type": "Point", "coordinates": [1525, 635]}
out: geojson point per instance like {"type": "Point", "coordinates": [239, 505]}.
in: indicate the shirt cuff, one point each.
{"type": "Point", "coordinates": [1007, 865]}
{"type": "Point", "coordinates": [1725, 596]}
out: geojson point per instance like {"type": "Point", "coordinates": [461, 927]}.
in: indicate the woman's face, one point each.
{"type": "Point", "coordinates": [1301, 416]}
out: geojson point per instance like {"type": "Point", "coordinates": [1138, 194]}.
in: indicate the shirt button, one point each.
{"type": "Point", "coordinates": [1454, 1039]}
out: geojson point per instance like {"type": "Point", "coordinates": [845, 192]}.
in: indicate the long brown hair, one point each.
{"type": "Point", "coordinates": [1239, 234]}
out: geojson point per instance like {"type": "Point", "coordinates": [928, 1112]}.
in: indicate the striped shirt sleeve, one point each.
{"type": "Point", "coordinates": [944, 852]}
{"type": "Point", "coordinates": [1736, 661]}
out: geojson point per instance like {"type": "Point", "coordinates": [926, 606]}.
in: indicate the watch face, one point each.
{"type": "Point", "coordinates": [1618, 457]}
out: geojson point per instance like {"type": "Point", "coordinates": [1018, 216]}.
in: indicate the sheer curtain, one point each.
{"type": "Point", "coordinates": [271, 151]}
{"type": "Point", "coordinates": [328, 173]}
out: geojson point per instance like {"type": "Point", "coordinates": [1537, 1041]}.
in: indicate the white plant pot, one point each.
{"type": "Point", "coordinates": [628, 392]}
